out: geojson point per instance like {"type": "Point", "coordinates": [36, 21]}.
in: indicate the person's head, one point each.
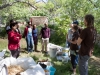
{"type": "Point", "coordinates": [29, 23]}
{"type": "Point", "coordinates": [34, 26]}
{"type": "Point", "coordinates": [75, 23]}
{"type": "Point", "coordinates": [13, 26]}
{"type": "Point", "coordinates": [18, 24]}
{"type": "Point", "coordinates": [75, 28]}
{"type": "Point", "coordinates": [89, 20]}
{"type": "Point", "coordinates": [12, 21]}
{"type": "Point", "coordinates": [46, 25]}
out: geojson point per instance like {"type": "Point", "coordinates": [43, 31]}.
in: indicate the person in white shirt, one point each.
{"type": "Point", "coordinates": [69, 36]}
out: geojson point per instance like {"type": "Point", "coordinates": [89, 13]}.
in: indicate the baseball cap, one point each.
{"type": "Point", "coordinates": [75, 22]}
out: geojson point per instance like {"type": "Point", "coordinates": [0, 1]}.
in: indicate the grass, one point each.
{"type": "Point", "coordinates": [61, 68]}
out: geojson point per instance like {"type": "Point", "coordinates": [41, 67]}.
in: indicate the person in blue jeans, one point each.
{"type": "Point", "coordinates": [29, 37]}
{"type": "Point", "coordinates": [74, 49]}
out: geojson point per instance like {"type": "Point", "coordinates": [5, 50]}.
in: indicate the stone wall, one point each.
{"type": "Point", "coordinates": [39, 20]}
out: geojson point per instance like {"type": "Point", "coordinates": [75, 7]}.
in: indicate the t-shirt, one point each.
{"type": "Point", "coordinates": [88, 36]}
{"type": "Point", "coordinates": [35, 32]}
{"type": "Point", "coordinates": [74, 37]}
{"type": "Point", "coordinates": [45, 32]}
{"type": "Point", "coordinates": [29, 31]}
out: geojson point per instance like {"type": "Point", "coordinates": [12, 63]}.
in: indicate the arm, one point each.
{"type": "Point", "coordinates": [66, 36]}
{"type": "Point", "coordinates": [25, 32]}
{"type": "Point", "coordinates": [73, 42]}
{"type": "Point", "coordinates": [79, 41]}
{"type": "Point", "coordinates": [49, 33]}
{"type": "Point", "coordinates": [82, 37]}
{"type": "Point", "coordinates": [14, 37]}
{"type": "Point", "coordinates": [41, 33]}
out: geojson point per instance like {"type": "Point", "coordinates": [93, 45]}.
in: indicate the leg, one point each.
{"type": "Point", "coordinates": [83, 64]}
{"type": "Point", "coordinates": [15, 53]}
{"type": "Point", "coordinates": [35, 47]}
{"type": "Point", "coordinates": [31, 43]}
{"type": "Point", "coordinates": [28, 43]}
{"type": "Point", "coordinates": [18, 53]}
{"type": "Point", "coordinates": [73, 57]}
{"type": "Point", "coordinates": [46, 43]}
{"type": "Point", "coordinates": [35, 43]}
{"type": "Point", "coordinates": [42, 44]}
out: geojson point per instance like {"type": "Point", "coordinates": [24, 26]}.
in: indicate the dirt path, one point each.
{"type": "Point", "coordinates": [95, 61]}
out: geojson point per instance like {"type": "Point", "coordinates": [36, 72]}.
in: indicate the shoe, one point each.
{"type": "Point", "coordinates": [37, 51]}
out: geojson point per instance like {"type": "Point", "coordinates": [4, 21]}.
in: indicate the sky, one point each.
{"type": "Point", "coordinates": [43, 0]}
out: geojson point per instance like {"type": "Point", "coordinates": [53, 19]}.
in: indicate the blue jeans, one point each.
{"type": "Point", "coordinates": [29, 40]}
{"type": "Point", "coordinates": [74, 60]}
{"type": "Point", "coordinates": [83, 64]}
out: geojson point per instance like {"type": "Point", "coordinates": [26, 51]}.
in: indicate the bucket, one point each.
{"type": "Point", "coordinates": [51, 70]}
{"type": "Point", "coordinates": [52, 51]}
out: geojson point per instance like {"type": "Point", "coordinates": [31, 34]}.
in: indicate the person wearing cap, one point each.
{"type": "Point", "coordinates": [45, 35]}
{"type": "Point", "coordinates": [87, 41]}
{"type": "Point", "coordinates": [74, 48]}
{"type": "Point", "coordinates": [76, 23]}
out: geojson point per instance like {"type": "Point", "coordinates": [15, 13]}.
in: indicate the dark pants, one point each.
{"type": "Point", "coordinates": [15, 53]}
{"type": "Point", "coordinates": [35, 38]}
{"type": "Point", "coordinates": [74, 60]}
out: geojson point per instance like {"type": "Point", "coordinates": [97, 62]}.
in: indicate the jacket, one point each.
{"type": "Point", "coordinates": [13, 40]}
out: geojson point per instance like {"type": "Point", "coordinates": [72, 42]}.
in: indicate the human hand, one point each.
{"type": "Point", "coordinates": [17, 37]}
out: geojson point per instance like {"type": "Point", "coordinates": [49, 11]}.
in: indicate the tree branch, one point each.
{"type": "Point", "coordinates": [92, 3]}
{"type": "Point", "coordinates": [10, 4]}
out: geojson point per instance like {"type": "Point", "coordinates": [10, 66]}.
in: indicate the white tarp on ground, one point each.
{"type": "Point", "coordinates": [30, 66]}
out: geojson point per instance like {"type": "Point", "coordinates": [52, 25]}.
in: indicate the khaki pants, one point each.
{"type": "Point", "coordinates": [45, 42]}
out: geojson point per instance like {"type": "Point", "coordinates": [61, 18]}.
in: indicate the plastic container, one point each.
{"type": "Point", "coordinates": [51, 70]}
{"type": "Point", "coordinates": [52, 52]}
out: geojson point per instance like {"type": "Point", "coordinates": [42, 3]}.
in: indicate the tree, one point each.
{"type": "Point", "coordinates": [15, 1]}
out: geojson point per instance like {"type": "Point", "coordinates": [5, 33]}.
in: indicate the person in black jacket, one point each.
{"type": "Point", "coordinates": [74, 49]}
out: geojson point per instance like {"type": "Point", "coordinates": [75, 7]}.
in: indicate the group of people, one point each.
{"type": "Point", "coordinates": [31, 36]}
{"type": "Point", "coordinates": [81, 43]}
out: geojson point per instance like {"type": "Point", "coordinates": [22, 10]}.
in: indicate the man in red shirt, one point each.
{"type": "Point", "coordinates": [45, 35]}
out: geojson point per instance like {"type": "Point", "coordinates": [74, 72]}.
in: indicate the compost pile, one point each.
{"type": "Point", "coordinates": [15, 70]}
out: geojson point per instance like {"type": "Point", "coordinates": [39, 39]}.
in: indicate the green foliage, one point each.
{"type": "Point", "coordinates": [96, 50]}
{"type": "Point", "coordinates": [3, 33]}
{"type": "Point", "coordinates": [57, 35]}
{"type": "Point", "coordinates": [38, 13]}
